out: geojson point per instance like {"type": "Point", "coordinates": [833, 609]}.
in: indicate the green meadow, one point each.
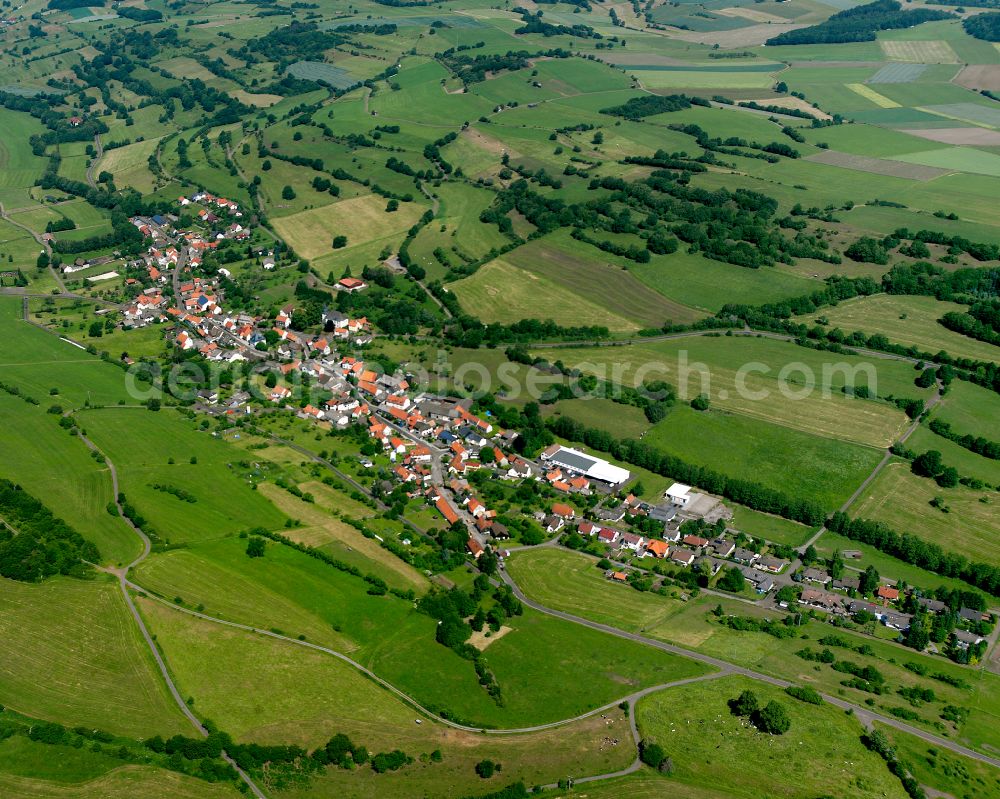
{"type": "Point", "coordinates": [74, 655]}
{"type": "Point", "coordinates": [821, 752]}
{"type": "Point", "coordinates": [152, 448]}
{"type": "Point", "coordinates": [301, 596]}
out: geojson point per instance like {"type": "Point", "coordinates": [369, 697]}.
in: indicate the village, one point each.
{"type": "Point", "coordinates": [435, 444]}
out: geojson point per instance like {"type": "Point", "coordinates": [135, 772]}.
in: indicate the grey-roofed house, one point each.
{"type": "Point", "coordinates": [761, 581]}
{"type": "Point", "coordinates": [723, 547]}
{"type": "Point", "coordinates": [771, 564]}
{"type": "Point", "coordinates": [932, 605]}
{"type": "Point", "coordinates": [662, 513]}
{"type": "Point", "coordinates": [846, 583]}
{"type": "Point", "coordinates": [816, 576]}
{"type": "Point", "coordinates": [744, 555]}
{"type": "Point", "coordinates": [898, 621]}
{"type": "Point", "coordinates": [970, 615]}
{"type": "Point", "coordinates": [965, 639]}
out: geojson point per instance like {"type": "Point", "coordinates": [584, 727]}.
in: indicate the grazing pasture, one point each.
{"type": "Point", "coordinates": [902, 500]}
{"type": "Point", "coordinates": [823, 748]}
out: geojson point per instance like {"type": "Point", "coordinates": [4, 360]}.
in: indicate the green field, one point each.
{"type": "Point", "coordinates": [564, 581]}
{"type": "Point", "coordinates": [278, 692]}
{"type": "Point", "coordinates": [495, 129]}
{"type": "Point", "coordinates": [603, 414]}
{"type": "Point", "coordinates": [901, 500]}
{"type": "Point", "coordinates": [822, 751]}
{"type": "Point", "coordinates": [142, 445]}
{"type": "Point", "coordinates": [74, 655]}
{"type": "Point", "coordinates": [501, 291]}
{"type": "Point", "coordinates": [886, 565]}
{"type": "Point", "coordinates": [942, 770]}
{"type": "Point", "coordinates": [910, 321]}
{"type": "Point", "coordinates": [968, 408]}
{"type": "Point", "coordinates": [141, 782]}
{"type": "Point", "coordinates": [19, 168]}
{"type": "Point", "coordinates": [770, 528]}
{"type": "Point", "coordinates": [694, 280]}
{"type": "Point", "coordinates": [572, 582]}
{"type": "Point", "coordinates": [301, 596]}
{"type": "Point", "coordinates": [57, 469]}
{"type": "Point", "coordinates": [765, 379]}
{"type": "Point", "coordinates": [586, 272]}
{"type": "Point", "coordinates": [960, 159]}
{"type": "Point", "coordinates": [824, 470]}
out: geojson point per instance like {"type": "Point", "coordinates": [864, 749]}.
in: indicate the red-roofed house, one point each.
{"type": "Point", "coordinates": [446, 510]}
{"type": "Point", "coordinates": [351, 284]}
{"type": "Point", "coordinates": [658, 549]}
{"type": "Point", "coordinates": [887, 592]}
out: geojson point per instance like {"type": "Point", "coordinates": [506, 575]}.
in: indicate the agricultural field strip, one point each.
{"type": "Point", "coordinates": [861, 712]}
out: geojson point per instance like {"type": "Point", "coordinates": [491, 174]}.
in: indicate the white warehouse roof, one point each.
{"type": "Point", "coordinates": [591, 467]}
{"type": "Point", "coordinates": [678, 490]}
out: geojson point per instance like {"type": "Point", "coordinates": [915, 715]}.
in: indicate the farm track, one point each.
{"type": "Point", "coordinates": [37, 237]}
{"type": "Point", "coordinates": [99, 150]}
{"type": "Point", "coordinates": [863, 714]}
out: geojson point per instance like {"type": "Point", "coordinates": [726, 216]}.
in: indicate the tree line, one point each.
{"type": "Point", "coordinates": [983, 26]}
{"type": "Point", "coordinates": [916, 551]}
{"type": "Point", "coordinates": [36, 544]}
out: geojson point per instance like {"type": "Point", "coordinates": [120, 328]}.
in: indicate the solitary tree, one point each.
{"type": "Point", "coordinates": [255, 547]}
{"type": "Point", "coordinates": [772, 718]}
{"type": "Point", "coordinates": [745, 704]}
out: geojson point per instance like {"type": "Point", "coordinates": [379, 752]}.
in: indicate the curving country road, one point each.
{"type": "Point", "coordinates": [862, 713]}
{"type": "Point", "coordinates": [99, 153]}
{"type": "Point", "coordinates": [4, 214]}
{"type": "Point", "coordinates": [123, 583]}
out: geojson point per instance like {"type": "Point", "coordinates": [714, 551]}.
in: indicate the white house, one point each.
{"type": "Point", "coordinates": [679, 494]}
